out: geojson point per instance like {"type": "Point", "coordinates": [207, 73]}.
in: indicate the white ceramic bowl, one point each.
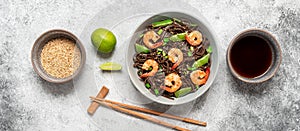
{"type": "Point", "coordinates": [204, 28]}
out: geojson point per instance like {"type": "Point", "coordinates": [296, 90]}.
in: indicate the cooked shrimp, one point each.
{"type": "Point", "coordinates": [151, 35]}
{"type": "Point", "coordinates": [172, 82]}
{"type": "Point", "coordinates": [199, 77]}
{"type": "Point", "coordinates": [194, 38]}
{"type": "Point", "coordinates": [149, 63]}
{"type": "Point", "coordinates": [175, 56]}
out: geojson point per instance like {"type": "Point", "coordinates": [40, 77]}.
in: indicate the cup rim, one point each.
{"type": "Point", "coordinates": [274, 65]}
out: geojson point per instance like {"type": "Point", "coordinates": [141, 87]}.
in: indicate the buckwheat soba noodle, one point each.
{"type": "Point", "coordinates": [172, 57]}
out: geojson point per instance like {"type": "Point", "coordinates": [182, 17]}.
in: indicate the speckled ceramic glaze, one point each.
{"type": "Point", "coordinates": [275, 49]}
{"type": "Point", "coordinates": [205, 29]}
{"type": "Point", "coordinates": [37, 49]}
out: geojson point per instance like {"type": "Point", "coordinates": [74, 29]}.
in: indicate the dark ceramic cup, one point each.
{"type": "Point", "coordinates": [275, 55]}
{"type": "Point", "coordinates": [42, 41]}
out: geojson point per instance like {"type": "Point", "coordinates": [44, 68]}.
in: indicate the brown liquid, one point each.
{"type": "Point", "coordinates": [251, 56]}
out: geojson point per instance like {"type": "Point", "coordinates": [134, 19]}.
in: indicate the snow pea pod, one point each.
{"type": "Point", "coordinates": [162, 23]}
{"type": "Point", "coordinates": [183, 91]}
{"type": "Point", "coordinates": [178, 37]}
{"type": "Point", "coordinates": [140, 48]}
{"type": "Point", "coordinates": [202, 61]}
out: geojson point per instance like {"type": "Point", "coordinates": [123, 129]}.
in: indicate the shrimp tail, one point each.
{"type": "Point", "coordinates": [207, 73]}
{"type": "Point", "coordinates": [206, 76]}
{"type": "Point", "coordinates": [174, 66]}
{"type": "Point", "coordinates": [145, 75]}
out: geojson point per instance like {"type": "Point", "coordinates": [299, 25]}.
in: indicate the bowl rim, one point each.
{"type": "Point", "coordinates": [202, 19]}
{"type": "Point", "coordinates": [38, 69]}
{"type": "Point", "coordinates": [258, 79]}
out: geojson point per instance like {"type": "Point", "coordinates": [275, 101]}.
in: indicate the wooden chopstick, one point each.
{"type": "Point", "coordinates": [149, 118]}
{"type": "Point", "coordinates": [188, 120]}
{"type": "Point", "coordinates": [94, 105]}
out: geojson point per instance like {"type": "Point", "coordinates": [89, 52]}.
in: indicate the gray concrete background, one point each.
{"type": "Point", "coordinates": [29, 103]}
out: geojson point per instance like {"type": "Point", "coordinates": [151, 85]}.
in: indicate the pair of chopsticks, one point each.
{"type": "Point", "coordinates": [129, 109]}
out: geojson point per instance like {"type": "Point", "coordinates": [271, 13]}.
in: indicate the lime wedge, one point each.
{"type": "Point", "coordinates": [110, 66]}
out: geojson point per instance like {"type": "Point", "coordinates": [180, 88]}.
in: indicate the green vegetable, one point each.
{"type": "Point", "coordinates": [185, 72]}
{"type": "Point", "coordinates": [160, 31]}
{"type": "Point", "coordinates": [197, 87]}
{"type": "Point", "coordinates": [178, 37]}
{"type": "Point", "coordinates": [156, 91]}
{"type": "Point", "coordinates": [148, 86]}
{"type": "Point", "coordinates": [183, 91]}
{"type": "Point", "coordinates": [141, 35]}
{"type": "Point", "coordinates": [110, 66]}
{"type": "Point", "coordinates": [166, 40]}
{"type": "Point", "coordinates": [104, 40]}
{"type": "Point", "coordinates": [164, 53]}
{"type": "Point", "coordinates": [159, 49]}
{"type": "Point", "coordinates": [166, 57]}
{"type": "Point", "coordinates": [209, 49]}
{"type": "Point", "coordinates": [158, 52]}
{"type": "Point", "coordinates": [140, 73]}
{"type": "Point", "coordinates": [162, 23]}
{"type": "Point", "coordinates": [177, 20]}
{"type": "Point", "coordinates": [193, 25]}
{"type": "Point", "coordinates": [160, 67]}
{"type": "Point", "coordinates": [191, 68]}
{"type": "Point", "coordinates": [140, 48]}
{"type": "Point", "coordinates": [190, 53]}
{"type": "Point", "coordinates": [202, 61]}
{"type": "Point", "coordinates": [192, 48]}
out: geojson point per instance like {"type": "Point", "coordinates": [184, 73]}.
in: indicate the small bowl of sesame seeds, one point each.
{"type": "Point", "coordinates": [58, 56]}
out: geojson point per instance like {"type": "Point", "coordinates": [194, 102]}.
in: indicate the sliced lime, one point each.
{"type": "Point", "coordinates": [110, 66]}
